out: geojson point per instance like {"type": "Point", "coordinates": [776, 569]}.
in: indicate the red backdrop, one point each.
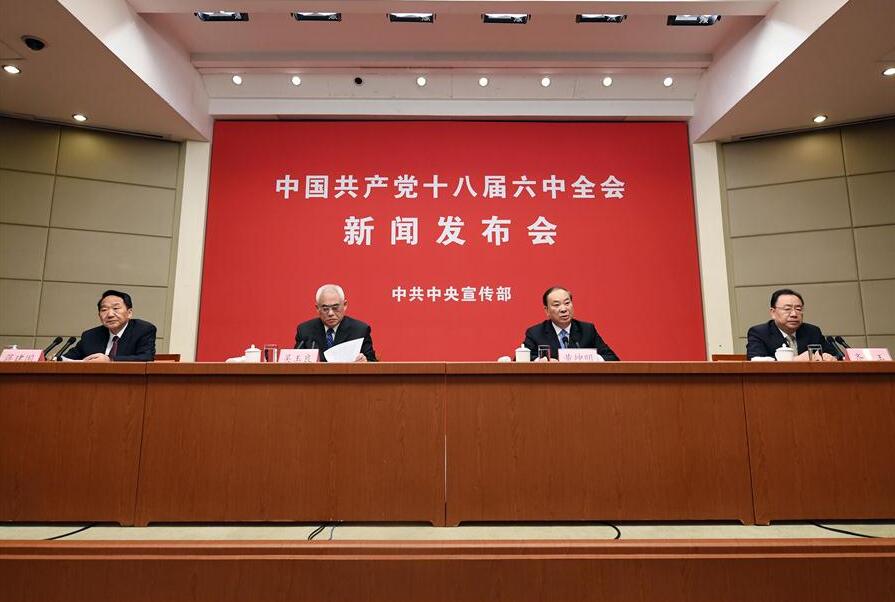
{"type": "Point", "coordinates": [629, 259]}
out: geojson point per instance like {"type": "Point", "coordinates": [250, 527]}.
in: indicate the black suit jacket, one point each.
{"type": "Point", "coordinates": [581, 334]}
{"type": "Point", "coordinates": [137, 344]}
{"type": "Point", "coordinates": [313, 334]}
{"type": "Point", "coordinates": [765, 339]}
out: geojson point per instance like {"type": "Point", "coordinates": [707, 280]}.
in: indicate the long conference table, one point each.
{"type": "Point", "coordinates": [446, 443]}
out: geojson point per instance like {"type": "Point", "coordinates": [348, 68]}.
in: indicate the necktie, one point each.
{"type": "Point", "coordinates": [791, 342]}
{"type": "Point", "coordinates": [114, 350]}
{"type": "Point", "coordinates": [330, 337]}
{"type": "Point", "coordinates": [563, 338]}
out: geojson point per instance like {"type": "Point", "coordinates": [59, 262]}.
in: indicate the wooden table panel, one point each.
{"type": "Point", "coordinates": [293, 443]}
{"type": "Point", "coordinates": [822, 444]}
{"type": "Point", "coordinates": [594, 444]}
{"type": "Point", "coordinates": [70, 441]}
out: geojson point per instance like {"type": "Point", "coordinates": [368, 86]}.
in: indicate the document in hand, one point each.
{"type": "Point", "coordinates": [343, 352]}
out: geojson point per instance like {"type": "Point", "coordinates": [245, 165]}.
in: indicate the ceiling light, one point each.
{"type": "Point", "coordinates": [820, 118]}
{"type": "Point", "coordinates": [236, 79]}
{"type": "Point", "coordinates": [296, 80]}
{"type": "Point", "coordinates": [317, 16]}
{"type": "Point", "coordinates": [12, 69]}
{"type": "Point", "coordinates": [221, 15]}
{"type": "Point", "coordinates": [79, 117]}
{"type": "Point", "coordinates": [483, 81]}
{"type": "Point", "coordinates": [607, 81]}
{"type": "Point", "coordinates": [889, 71]}
{"type": "Point", "coordinates": [668, 82]}
{"type": "Point", "coordinates": [697, 20]}
{"type": "Point", "coordinates": [411, 17]}
{"type": "Point", "coordinates": [421, 81]}
{"type": "Point", "coordinates": [545, 82]}
{"type": "Point", "coordinates": [594, 18]}
{"type": "Point", "coordinates": [520, 18]}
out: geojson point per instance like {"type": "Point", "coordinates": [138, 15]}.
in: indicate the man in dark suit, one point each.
{"type": "Point", "coordinates": [562, 331]}
{"type": "Point", "coordinates": [121, 338]}
{"type": "Point", "coordinates": [786, 328]}
{"type": "Point", "coordinates": [333, 326]}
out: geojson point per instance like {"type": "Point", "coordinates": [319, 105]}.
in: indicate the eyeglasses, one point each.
{"type": "Point", "coordinates": [787, 309]}
{"type": "Point", "coordinates": [325, 309]}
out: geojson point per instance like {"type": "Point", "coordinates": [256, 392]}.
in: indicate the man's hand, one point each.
{"type": "Point", "coordinates": [360, 358]}
{"type": "Point", "coordinates": [97, 357]}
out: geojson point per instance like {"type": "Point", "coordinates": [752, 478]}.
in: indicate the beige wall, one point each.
{"type": "Point", "coordinates": [82, 211]}
{"type": "Point", "coordinates": [815, 212]}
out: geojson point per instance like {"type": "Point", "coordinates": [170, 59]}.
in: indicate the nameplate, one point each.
{"type": "Point", "coordinates": [298, 356]}
{"type": "Point", "coordinates": [868, 355]}
{"type": "Point", "coordinates": [579, 355]}
{"type": "Point", "coordinates": [22, 355]}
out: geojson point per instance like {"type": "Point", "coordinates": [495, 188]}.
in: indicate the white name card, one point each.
{"type": "Point", "coordinates": [579, 355]}
{"type": "Point", "coordinates": [22, 355]}
{"type": "Point", "coordinates": [868, 355]}
{"type": "Point", "coordinates": [298, 356]}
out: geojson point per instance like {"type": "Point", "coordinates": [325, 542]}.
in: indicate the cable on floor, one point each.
{"type": "Point", "coordinates": [84, 528]}
{"type": "Point", "coordinates": [843, 531]}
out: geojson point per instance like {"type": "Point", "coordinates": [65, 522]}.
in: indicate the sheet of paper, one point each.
{"type": "Point", "coordinates": [343, 352]}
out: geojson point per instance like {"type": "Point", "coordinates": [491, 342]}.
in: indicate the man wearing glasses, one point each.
{"type": "Point", "coordinates": [786, 328]}
{"type": "Point", "coordinates": [333, 326]}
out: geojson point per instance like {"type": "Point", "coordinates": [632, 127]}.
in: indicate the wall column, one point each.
{"type": "Point", "coordinates": [190, 248]}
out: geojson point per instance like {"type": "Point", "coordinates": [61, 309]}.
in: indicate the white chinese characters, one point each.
{"type": "Point", "coordinates": [408, 186]}
{"type": "Point", "coordinates": [452, 294]}
{"type": "Point", "coordinates": [358, 231]}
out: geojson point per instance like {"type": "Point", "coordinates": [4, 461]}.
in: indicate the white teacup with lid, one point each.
{"type": "Point", "coordinates": [784, 354]}
{"type": "Point", "coordinates": [523, 354]}
{"type": "Point", "coordinates": [252, 354]}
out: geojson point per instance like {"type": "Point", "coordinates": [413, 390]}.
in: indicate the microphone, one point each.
{"type": "Point", "coordinates": [301, 344]}
{"type": "Point", "coordinates": [842, 342]}
{"type": "Point", "coordinates": [832, 343]}
{"type": "Point", "coordinates": [68, 343]}
{"type": "Point", "coordinates": [575, 344]}
{"type": "Point", "coordinates": [55, 342]}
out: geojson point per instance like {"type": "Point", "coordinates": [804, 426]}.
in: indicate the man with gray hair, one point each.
{"type": "Point", "coordinates": [333, 326]}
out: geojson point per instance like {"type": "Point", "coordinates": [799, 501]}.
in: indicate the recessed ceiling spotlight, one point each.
{"type": "Point", "coordinates": [889, 71]}
{"type": "Point", "coordinates": [296, 80]}
{"type": "Point", "coordinates": [317, 16]}
{"type": "Point", "coordinates": [236, 79]}
{"type": "Point", "coordinates": [518, 18]}
{"type": "Point", "coordinates": [668, 82]}
{"type": "Point", "coordinates": [34, 43]}
{"type": "Point", "coordinates": [693, 20]}
{"type": "Point", "coordinates": [594, 18]}
{"type": "Point", "coordinates": [79, 117]}
{"type": "Point", "coordinates": [411, 17]}
{"type": "Point", "coordinates": [483, 81]}
{"type": "Point", "coordinates": [221, 15]}
{"type": "Point", "coordinates": [12, 69]}
{"type": "Point", "coordinates": [820, 118]}
{"type": "Point", "coordinates": [545, 82]}
{"type": "Point", "coordinates": [607, 81]}
{"type": "Point", "coordinates": [421, 81]}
